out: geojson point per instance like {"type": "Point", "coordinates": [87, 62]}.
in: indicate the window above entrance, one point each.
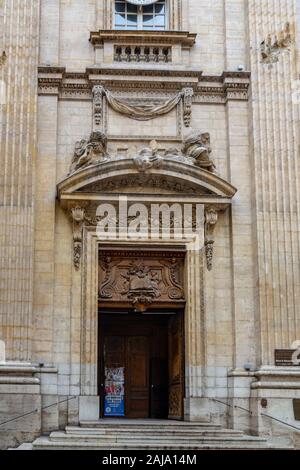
{"type": "Point", "coordinates": [143, 31]}
{"type": "Point", "coordinates": [140, 14]}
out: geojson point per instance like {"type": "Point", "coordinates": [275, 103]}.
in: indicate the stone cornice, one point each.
{"type": "Point", "coordinates": [184, 38]}
{"type": "Point", "coordinates": [152, 81]}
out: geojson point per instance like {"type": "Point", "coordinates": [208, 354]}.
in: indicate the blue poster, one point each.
{"type": "Point", "coordinates": [114, 402]}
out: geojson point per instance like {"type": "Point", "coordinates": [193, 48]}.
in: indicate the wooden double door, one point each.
{"type": "Point", "coordinates": [141, 365]}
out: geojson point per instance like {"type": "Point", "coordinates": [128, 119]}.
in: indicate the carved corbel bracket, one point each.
{"type": "Point", "coordinates": [97, 106]}
{"type": "Point", "coordinates": [78, 218]}
{"type": "Point", "coordinates": [187, 105]}
{"type": "Point", "coordinates": [211, 219]}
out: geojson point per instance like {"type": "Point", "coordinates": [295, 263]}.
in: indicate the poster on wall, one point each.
{"type": "Point", "coordinates": [114, 402]}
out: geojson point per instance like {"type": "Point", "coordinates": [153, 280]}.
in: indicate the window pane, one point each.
{"type": "Point", "coordinates": [160, 20]}
{"type": "Point", "coordinates": [120, 19]}
{"type": "Point", "coordinates": [148, 20]}
{"type": "Point", "coordinates": [132, 20]}
{"type": "Point", "coordinates": [120, 7]}
{"type": "Point", "coordinates": [148, 9]}
{"type": "Point", "coordinates": [131, 8]}
{"type": "Point", "coordinates": [160, 9]}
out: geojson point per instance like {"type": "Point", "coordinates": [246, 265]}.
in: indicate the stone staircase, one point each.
{"type": "Point", "coordinates": [147, 435]}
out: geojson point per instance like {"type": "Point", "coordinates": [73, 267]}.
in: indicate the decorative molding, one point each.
{"type": "Point", "coordinates": [172, 170]}
{"type": "Point", "coordinates": [183, 38]}
{"type": "Point", "coordinates": [211, 219]}
{"type": "Point", "coordinates": [164, 81]}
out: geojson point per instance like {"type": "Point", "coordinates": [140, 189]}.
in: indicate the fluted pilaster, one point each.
{"type": "Point", "coordinates": [19, 39]}
{"type": "Point", "coordinates": [275, 127]}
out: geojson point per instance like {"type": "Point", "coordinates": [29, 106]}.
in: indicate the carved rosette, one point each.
{"type": "Point", "coordinates": [211, 219]}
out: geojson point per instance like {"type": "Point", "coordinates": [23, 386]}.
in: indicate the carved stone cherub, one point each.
{"type": "Point", "coordinates": [197, 146]}
{"type": "Point", "coordinates": [89, 152]}
{"type": "Point", "coordinates": [148, 158]}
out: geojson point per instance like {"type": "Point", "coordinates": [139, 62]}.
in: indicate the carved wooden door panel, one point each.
{"type": "Point", "coordinates": [176, 367]}
{"type": "Point", "coordinates": [137, 377]}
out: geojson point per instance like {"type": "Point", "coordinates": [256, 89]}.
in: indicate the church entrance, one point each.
{"type": "Point", "coordinates": [141, 364]}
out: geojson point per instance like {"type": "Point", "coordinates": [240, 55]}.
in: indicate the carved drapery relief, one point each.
{"type": "Point", "coordinates": [89, 152]}
{"type": "Point", "coordinates": [276, 44]}
{"type": "Point", "coordinates": [140, 280]}
{"type": "Point", "coordinates": [145, 112]}
{"type": "Point", "coordinates": [211, 218]}
{"type": "Point", "coordinates": [197, 146]}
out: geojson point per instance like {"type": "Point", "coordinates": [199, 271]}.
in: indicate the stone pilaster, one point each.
{"type": "Point", "coordinates": [275, 170]}
{"type": "Point", "coordinates": [19, 35]}
{"type": "Point", "coordinates": [235, 34]}
{"type": "Point", "coordinates": [50, 32]}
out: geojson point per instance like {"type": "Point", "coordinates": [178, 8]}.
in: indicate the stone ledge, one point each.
{"type": "Point", "coordinates": [157, 81]}
{"type": "Point", "coordinates": [184, 38]}
{"type": "Point", "coordinates": [276, 385]}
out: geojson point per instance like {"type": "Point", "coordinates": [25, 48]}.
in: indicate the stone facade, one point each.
{"type": "Point", "coordinates": [233, 73]}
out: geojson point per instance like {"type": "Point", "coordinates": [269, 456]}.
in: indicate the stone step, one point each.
{"type": "Point", "coordinates": [45, 443]}
{"type": "Point", "coordinates": [60, 436]}
{"type": "Point", "coordinates": [142, 424]}
{"type": "Point", "coordinates": [203, 438]}
{"type": "Point", "coordinates": [118, 431]}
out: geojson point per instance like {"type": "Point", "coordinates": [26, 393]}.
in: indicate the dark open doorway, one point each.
{"type": "Point", "coordinates": [141, 364]}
